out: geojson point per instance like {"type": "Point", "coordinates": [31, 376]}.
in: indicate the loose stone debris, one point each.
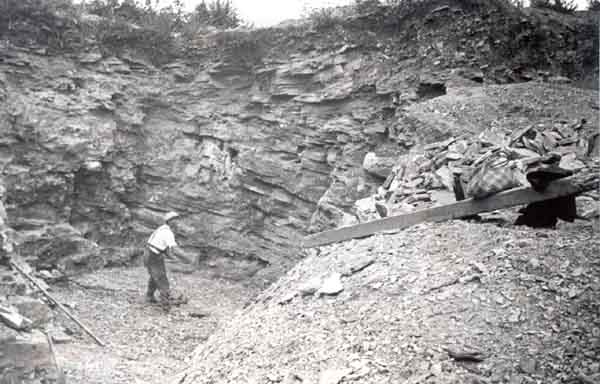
{"type": "Point", "coordinates": [427, 176]}
{"type": "Point", "coordinates": [26, 353]}
{"type": "Point", "coordinates": [333, 376]}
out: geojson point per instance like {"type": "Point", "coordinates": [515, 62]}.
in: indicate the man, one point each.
{"type": "Point", "coordinates": [161, 244]}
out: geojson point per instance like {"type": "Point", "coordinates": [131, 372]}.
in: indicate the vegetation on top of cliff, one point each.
{"type": "Point", "coordinates": [221, 14]}
{"type": "Point", "coordinates": [501, 28]}
{"type": "Point", "coordinates": [562, 6]}
{"type": "Point", "coordinates": [593, 5]}
{"type": "Point", "coordinates": [113, 26]}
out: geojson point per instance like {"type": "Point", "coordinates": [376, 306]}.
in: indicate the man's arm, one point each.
{"type": "Point", "coordinates": [179, 254]}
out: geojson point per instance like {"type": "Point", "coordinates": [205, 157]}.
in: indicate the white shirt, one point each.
{"type": "Point", "coordinates": [162, 238]}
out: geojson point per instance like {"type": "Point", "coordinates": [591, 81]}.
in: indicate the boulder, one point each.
{"type": "Point", "coordinates": [61, 246]}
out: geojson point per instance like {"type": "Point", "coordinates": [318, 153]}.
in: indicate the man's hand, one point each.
{"type": "Point", "coordinates": [182, 256]}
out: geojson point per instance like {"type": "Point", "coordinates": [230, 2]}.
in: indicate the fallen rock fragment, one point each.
{"type": "Point", "coordinates": [591, 213]}
{"type": "Point", "coordinates": [360, 369]}
{"type": "Point", "coordinates": [464, 354]}
{"type": "Point", "coordinates": [528, 365]}
{"type": "Point", "coordinates": [332, 285]}
{"type": "Point", "coordinates": [33, 309]}
{"type": "Point", "coordinates": [44, 274]}
{"type": "Point", "coordinates": [60, 337]}
{"type": "Point", "coordinates": [274, 378]}
{"type": "Point", "coordinates": [287, 298]}
{"type": "Point", "coordinates": [381, 209]}
{"type": "Point", "coordinates": [366, 209]}
{"type": "Point", "coordinates": [333, 376]}
{"type": "Point", "coordinates": [378, 165]}
{"type": "Point", "coordinates": [358, 266]}
{"type": "Point", "coordinates": [198, 314]}
{"type": "Point", "coordinates": [584, 379]}
{"type": "Point", "coordinates": [571, 162]}
{"type": "Point", "coordinates": [578, 272]}
{"type": "Point", "coordinates": [13, 319]}
{"type": "Point", "coordinates": [310, 287]}
{"type": "Point", "coordinates": [292, 378]}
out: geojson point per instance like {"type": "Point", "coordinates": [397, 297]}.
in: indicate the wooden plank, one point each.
{"type": "Point", "coordinates": [568, 186]}
{"type": "Point", "coordinates": [57, 303]}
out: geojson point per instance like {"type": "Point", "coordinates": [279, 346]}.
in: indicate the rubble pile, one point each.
{"type": "Point", "coordinates": [26, 354]}
{"type": "Point", "coordinates": [426, 175]}
{"type": "Point", "coordinates": [26, 341]}
{"type": "Point", "coordinates": [26, 335]}
{"type": "Point", "coordinates": [450, 302]}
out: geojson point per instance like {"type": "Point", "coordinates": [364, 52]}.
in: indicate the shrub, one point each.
{"type": "Point", "coordinates": [243, 47]}
{"type": "Point", "coordinates": [562, 6]}
{"type": "Point", "coordinates": [217, 13]}
{"type": "Point", "coordinates": [121, 24]}
{"type": "Point", "coordinates": [128, 25]}
{"type": "Point", "coordinates": [42, 21]}
{"type": "Point", "coordinates": [324, 18]}
{"type": "Point", "coordinates": [366, 6]}
{"type": "Point", "coordinates": [593, 5]}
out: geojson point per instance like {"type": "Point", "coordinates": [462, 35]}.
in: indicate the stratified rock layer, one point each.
{"type": "Point", "coordinates": [257, 138]}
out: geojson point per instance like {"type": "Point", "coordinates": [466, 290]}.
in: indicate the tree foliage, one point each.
{"type": "Point", "coordinates": [366, 6]}
{"type": "Point", "coordinates": [593, 5]}
{"type": "Point", "coordinates": [562, 6]}
{"type": "Point", "coordinates": [118, 25]}
{"type": "Point", "coordinates": [217, 13]}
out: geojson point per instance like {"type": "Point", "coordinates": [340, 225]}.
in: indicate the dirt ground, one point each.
{"type": "Point", "coordinates": [143, 344]}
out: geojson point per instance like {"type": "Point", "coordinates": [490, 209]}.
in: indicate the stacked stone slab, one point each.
{"type": "Point", "coordinates": [425, 176]}
{"type": "Point", "coordinates": [26, 355]}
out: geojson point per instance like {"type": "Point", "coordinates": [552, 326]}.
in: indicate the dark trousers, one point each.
{"type": "Point", "coordinates": [155, 264]}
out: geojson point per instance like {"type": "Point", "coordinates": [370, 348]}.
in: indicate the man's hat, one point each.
{"type": "Point", "coordinates": [171, 215]}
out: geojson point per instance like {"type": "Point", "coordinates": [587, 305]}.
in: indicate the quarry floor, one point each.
{"type": "Point", "coordinates": [525, 297]}
{"type": "Point", "coordinates": [144, 345]}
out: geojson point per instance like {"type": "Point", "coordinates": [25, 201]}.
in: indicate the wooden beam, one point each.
{"type": "Point", "coordinates": [56, 302]}
{"type": "Point", "coordinates": [579, 183]}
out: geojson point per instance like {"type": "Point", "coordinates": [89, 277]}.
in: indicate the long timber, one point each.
{"type": "Point", "coordinates": [579, 183]}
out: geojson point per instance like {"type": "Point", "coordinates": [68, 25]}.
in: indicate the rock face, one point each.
{"type": "Point", "coordinates": [255, 143]}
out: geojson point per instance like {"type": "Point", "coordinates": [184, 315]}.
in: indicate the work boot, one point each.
{"type": "Point", "coordinates": [165, 302]}
{"type": "Point", "coordinates": [150, 299]}
{"type": "Point", "coordinates": [179, 300]}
